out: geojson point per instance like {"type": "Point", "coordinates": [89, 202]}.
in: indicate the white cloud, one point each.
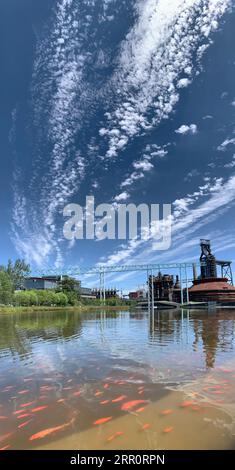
{"type": "Point", "coordinates": [187, 129]}
{"type": "Point", "coordinates": [131, 179]}
{"type": "Point", "coordinates": [122, 197]}
{"type": "Point", "coordinates": [190, 214]}
{"type": "Point", "coordinates": [183, 83]}
{"type": "Point", "coordinates": [156, 52]}
{"type": "Point", "coordinates": [223, 147]}
{"type": "Point", "coordinates": [231, 164]}
{"type": "Point", "coordinates": [143, 165]}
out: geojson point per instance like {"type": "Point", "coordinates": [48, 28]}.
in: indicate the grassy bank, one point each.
{"type": "Point", "coordinates": [78, 308]}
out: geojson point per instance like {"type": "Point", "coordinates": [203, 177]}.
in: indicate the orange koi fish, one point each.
{"type": "Point", "coordinates": [49, 431]}
{"type": "Point", "coordinates": [118, 399]}
{"type": "Point", "coordinates": [166, 412]}
{"type": "Point", "coordinates": [6, 447]}
{"type": "Point", "coordinates": [61, 400]}
{"type": "Point", "coordinates": [6, 436]}
{"type": "Point", "coordinates": [146, 426]}
{"type": "Point", "coordinates": [131, 404]}
{"type": "Point", "coordinates": [18, 412]}
{"type": "Point", "coordinates": [23, 416]}
{"type": "Point", "coordinates": [106, 386]}
{"type": "Point", "coordinates": [22, 425]}
{"type": "Point", "coordinates": [167, 430]}
{"type": "Point", "coordinates": [140, 410]}
{"type": "Point", "coordinates": [39, 408]}
{"type": "Point", "coordinates": [77, 394]}
{"type": "Point", "coordinates": [116, 434]}
{"type": "Point", "coordinates": [102, 420]}
{"type": "Point", "coordinates": [187, 403]}
{"type": "Point", "coordinates": [98, 393]}
{"type": "Point", "coordinates": [105, 402]}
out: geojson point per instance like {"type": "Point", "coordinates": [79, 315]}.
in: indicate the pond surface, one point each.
{"type": "Point", "coordinates": [117, 380]}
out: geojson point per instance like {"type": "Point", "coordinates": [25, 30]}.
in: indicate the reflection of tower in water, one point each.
{"type": "Point", "coordinates": [216, 332]}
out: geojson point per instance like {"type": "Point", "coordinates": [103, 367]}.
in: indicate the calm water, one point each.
{"type": "Point", "coordinates": [117, 380]}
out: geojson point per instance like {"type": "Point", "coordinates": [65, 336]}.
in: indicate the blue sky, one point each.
{"type": "Point", "coordinates": [116, 97]}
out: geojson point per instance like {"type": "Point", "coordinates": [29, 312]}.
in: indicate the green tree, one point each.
{"type": "Point", "coordinates": [17, 271]}
{"type": "Point", "coordinates": [6, 289]}
{"type": "Point", "coordinates": [69, 287]}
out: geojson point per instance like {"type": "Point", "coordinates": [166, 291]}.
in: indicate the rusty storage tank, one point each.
{"type": "Point", "coordinates": [212, 290]}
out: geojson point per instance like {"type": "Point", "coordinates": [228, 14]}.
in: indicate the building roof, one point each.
{"type": "Point", "coordinates": [212, 284]}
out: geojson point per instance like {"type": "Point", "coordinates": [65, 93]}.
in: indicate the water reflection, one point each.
{"type": "Point", "coordinates": [65, 371]}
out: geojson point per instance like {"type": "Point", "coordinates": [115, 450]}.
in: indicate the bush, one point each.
{"type": "Point", "coordinates": [24, 298]}
{"type": "Point", "coordinates": [61, 299]}
{"type": "Point", "coordinates": [41, 297]}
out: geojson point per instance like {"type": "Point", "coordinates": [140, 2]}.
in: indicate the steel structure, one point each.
{"type": "Point", "coordinates": [103, 270]}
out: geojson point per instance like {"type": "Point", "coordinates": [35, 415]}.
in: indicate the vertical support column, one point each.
{"type": "Point", "coordinates": [186, 280]}
{"type": "Point", "coordinates": [152, 292]}
{"type": "Point", "coordinates": [181, 286]}
{"type": "Point", "coordinates": [148, 284]}
{"type": "Point", "coordinates": [104, 295]}
{"type": "Point", "coordinates": [101, 287]}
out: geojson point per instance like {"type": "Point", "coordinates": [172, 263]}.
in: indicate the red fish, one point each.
{"type": "Point", "coordinates": [105, 402]}
{"type": "Point", "coordinates": [118, 399]}
{"type": "Point", "coordinates": [49, 431]}
{"type": "Point", "coordinates": [167, 430]}
{"type": "Point", "coordinates": [6, 436]}
{"type": "Point", "coordinates": [146, 426]}
{"type": "Point", "coordinates": [103, 420]}
{"type": "Point", "coordinates": [6, 447]}
{"type": "Point", "coordinates": [39, 408]}
{"type": "Point", "coordinates": [131, 404]}
{"type": "Point", "coordinates": [22, 425]}
{"type": "Point", "coordinates": [18, 412]}
{"type": "Point", "coordinates": [140, 410]}
{"type": "Point", "coordinates": [25, 415]}
{"type": "Point", "coordinates": [166, 412]}
{"type": "Point", "coordinates": [116, 434]}
{"type": "Point", "coordinates": [187, 403]}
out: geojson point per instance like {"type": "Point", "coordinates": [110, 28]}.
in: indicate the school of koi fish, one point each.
{"type": "Point", "coordinates": [41, 402]}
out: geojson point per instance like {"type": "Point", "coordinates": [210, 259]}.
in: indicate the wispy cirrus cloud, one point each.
{"type": "Point", "coordinates": [70, 92]}
{"type": "Point", "coordinates": [157, 51]}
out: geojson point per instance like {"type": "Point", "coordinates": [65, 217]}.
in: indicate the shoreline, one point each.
{"type": "Point", "coordinates": [77, 309]}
